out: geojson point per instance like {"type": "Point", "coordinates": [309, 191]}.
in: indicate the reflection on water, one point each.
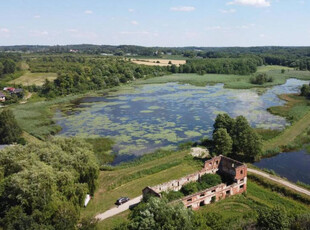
{"type": "Point", "coordinates": [294, 166]}
{"type": "Point", "coordinates": [144, 118]}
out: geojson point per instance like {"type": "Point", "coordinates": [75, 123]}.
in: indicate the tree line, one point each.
{"type": "Point", "coordinates": [8, 63]}
{"type": "Point", "coordinates": [78, 74]}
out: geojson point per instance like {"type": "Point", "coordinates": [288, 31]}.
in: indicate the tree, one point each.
{"type": "Point", "coordinates": [222, 142]}
{"type": "Point", "coordinates": [223, 120]}
{"type": "Point", "coordinates": [10, 131]}
{"type": "Point", "coordinates": [45, 183]}
{"type": "Point", "coordinates": [245, 140]}
{"type": "Point", "coordinates": [273, 219]}
{"type": "Point", "coordinates": [1, 68]}
{"type": "Point", "coordinates": [158, 214]}
{"type": "Point", "coordinates": [9, 66]}
{"type": "Point", "coordinates": [305, 90]}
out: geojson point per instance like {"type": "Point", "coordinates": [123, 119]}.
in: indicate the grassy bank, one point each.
{"type": "Point", "coordinates": [233, 81]}
{"type": "Point", "coordinates": [36, 118]}
{"type": "Point", "coordinates": [297, 111]}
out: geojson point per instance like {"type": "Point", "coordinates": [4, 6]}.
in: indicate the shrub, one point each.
{"type": "Point", "coordinates": [190, 188]}
{"type": "Point", "coordinates": [261, 79]}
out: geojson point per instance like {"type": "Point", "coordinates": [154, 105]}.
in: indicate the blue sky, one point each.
{"type": "Point", "coordinates": [155, 23]}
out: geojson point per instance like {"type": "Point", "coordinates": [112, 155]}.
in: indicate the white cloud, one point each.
{"type": "Point", "coordinates": [88, 12]}
{"type": "Point", "coordinates": [37, 33]}
{"type": "Point", "coordinates": [262, 35]}
{"type": "Point", "coordinates": [183, 8]}
{"type": "Point", "coordinates": [256, 3]}
{"type": "Point", "coordinates": [72, 30]}
{"type": "Point", "coordinates": [134, 22]}
{"type": "Point", "coordinates": [138, 33]}
{"type": "Point", "coordinates": [4, 30]}
{"type": "Point", "coordinates": [214, 28]}
{"type": "Point", "coordinates": [131, 10]}
{"type": "Point", "coordinates": [37, 16]}
{"type": "Point", "coordinates": [230, 11]}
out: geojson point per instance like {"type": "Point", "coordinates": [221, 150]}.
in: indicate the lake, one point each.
{"type": "Point", "coordinates": [143, 118]}
{"type": "Point", "coordinates": [295, 166]}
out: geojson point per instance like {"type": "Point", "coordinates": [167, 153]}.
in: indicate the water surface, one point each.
{"type": "Point", "coordinates": [295, 166]}
{"type": "Point", "coordinates": [143, 118]}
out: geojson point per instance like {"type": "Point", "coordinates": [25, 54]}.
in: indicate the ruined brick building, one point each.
{"type": "Point", "coordinates": [234, 171]}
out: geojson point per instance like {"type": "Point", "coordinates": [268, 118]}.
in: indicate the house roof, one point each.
{"type": "Point", "coordinates": [18, 91]}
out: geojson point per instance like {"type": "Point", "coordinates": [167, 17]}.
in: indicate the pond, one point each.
{"type": "Point", "coordinates": [143, 118]}
{"type": "Point", "coordinates": [295, 166]}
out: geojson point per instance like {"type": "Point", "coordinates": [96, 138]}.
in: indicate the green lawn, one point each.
{"type": "Point", "coordinates": [232, 81]}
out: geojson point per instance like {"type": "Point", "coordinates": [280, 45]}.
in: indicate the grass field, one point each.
{"type": "Point", "coordinates": [234, 209]}
{"type": "Point", "coordinates": [158, 62]}
{"type": "Point", "coordinates": [106, 195]}
{"type": "Point", "coordinates": [34, 78]}
{"type": "Point", "coordinates": [232, 81]}
{"type": "Point", "coordinates": [297, 110]}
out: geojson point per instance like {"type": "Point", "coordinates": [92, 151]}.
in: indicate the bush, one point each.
{"type": "Point", "coordinates": [261, 79]}
{"type": "Point", "coordinates": [209, 180]}
{"type": "Point", "coordinates": [173, 195]}
{"type": "Point", "coordinates": [190, 188]}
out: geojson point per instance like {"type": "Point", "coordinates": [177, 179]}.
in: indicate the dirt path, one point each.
{"type": "Point", "coordinates": [281, 181]}
{"type": "Point", "coordinates": [119, 209]}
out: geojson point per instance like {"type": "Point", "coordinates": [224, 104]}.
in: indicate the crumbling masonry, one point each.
{"type": "Point", "coordinates": [234, 171]}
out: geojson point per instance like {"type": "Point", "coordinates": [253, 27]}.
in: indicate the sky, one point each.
{"type": "Point", "coordinates": [169, 23]}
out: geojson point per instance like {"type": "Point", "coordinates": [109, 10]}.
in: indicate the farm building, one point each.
{"type": "Point", "coordinates": [234, 171]}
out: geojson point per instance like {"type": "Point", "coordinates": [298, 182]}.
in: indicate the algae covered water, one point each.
{"type": "Point", "coordinates": [143, 118]}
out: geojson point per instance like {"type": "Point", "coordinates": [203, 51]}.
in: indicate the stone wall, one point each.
{"type": "Point", "coordinates": [219, 164]}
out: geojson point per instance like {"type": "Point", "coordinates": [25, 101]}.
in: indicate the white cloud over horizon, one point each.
{"type": "Point", "coordinates": [255, 3]}
{"type": "Point", "coordinates": [229, 11]}
{"type": "Point", "coordinates": [183, 8]}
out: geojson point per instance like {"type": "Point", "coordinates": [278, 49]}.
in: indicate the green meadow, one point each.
{"type": "Point", "coordinates": [232, 81]}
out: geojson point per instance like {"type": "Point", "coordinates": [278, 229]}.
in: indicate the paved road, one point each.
{"type": "Point", "coordinates": [124, 207]}
{"type": "Point", "coordinates": [281, 181]}
{"type": "Point", "coordinates": [119, 209]}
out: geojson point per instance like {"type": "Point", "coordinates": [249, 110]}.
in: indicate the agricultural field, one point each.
{"type": "Point", "coordinates": [158, 62]}
{"type": "Point", "coordinates": [37, 79]}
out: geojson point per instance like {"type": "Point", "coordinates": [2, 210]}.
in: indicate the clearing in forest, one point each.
{"type": "Point", "coordinates": [34, 78]}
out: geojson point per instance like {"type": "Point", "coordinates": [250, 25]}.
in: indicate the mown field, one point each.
{"type": "Point", "coordinates": [233, 81]}
{"type": "Point", "coordinates": [235, 209]}
{"type": "Point", "coordinates": [37, 79]}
